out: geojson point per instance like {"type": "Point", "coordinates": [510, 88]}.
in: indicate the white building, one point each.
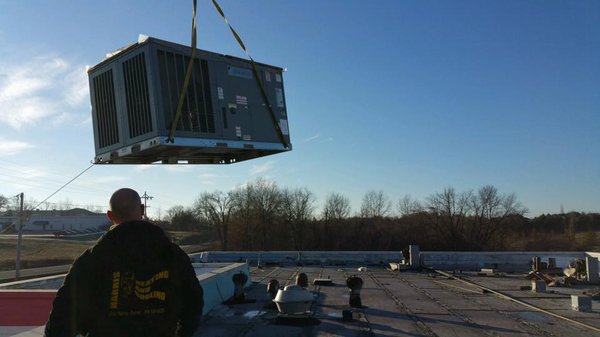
{"type": "Point", "coordinates": [77, 219]}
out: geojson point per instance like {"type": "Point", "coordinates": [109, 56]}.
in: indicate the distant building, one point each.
{"type": "Point", "coordinates": [57, 220]}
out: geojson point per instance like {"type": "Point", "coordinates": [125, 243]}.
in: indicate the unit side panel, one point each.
{"type": "Point", "coordinates": [105, 110]}
{"type": "Point", "coordinates": [242, 104]}
{"type": "Point", "coordinates": [139, 103]}
{"type": "Point", "coordinates": [272, 79]}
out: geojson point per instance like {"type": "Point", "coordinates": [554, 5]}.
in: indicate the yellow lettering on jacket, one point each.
{"type": "Point", "coordinates": [159, 276]}
{"type": "Point", "coordinates": [143, 289]}
{"type": "Point", "coordinates": [114, 295]}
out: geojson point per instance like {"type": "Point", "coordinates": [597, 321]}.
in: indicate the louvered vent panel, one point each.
{"type": "Point", "coordinates": [197, 113]}
{"type": "Point", "coordinates": [210, 118]}
{"type": "Point", "coordinates": [106, 110]}
{"type": "Point", "coordinates": [137, 97]}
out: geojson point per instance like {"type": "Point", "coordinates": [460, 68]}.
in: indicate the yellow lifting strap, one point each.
{"type": "Point", "coordinates": [256, 76]}
{"type": "Point", "coordinates": [254, 71]}
{"type": "Point", "coordinates": [186, 81]}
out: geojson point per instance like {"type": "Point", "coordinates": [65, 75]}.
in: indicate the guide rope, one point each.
{"type": "Point", "coordinates": [65, 185]}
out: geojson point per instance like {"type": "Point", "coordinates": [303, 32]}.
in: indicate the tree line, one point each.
{"type": "Point", "coordinates": [264, 216]}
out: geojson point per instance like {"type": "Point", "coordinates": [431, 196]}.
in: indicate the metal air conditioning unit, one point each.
{"type": "Point", "coordinates": [225, 119]}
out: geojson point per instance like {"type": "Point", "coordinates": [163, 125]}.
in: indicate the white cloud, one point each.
{"type": "Point", "coordinates": [318, 138]}
{"type": "Point", "coordinates": [63, 117]}
{"type": "Point", "coordinates": [309, 139]}
{"type": "Point", "coordinates": [11, 147]}
{"type": "Point", "coordinates": [262, 168]}
{"type": "Point", "coordinates": [179, 167]}
{"type": "Point", "coordinates": [208, 178]}
{"type": "Point", "coordinates": [33, 173]}
{"type": "Point", "coordinates": [76, 83]}
{"type": "Point", "coordinates": [86, 121]}
{"type": "Point", "coordinates": [105, 180]}
{"type": "Point", "coordinates": [40, 89]}
{"type": "Point", "coordinates": [142, 168]}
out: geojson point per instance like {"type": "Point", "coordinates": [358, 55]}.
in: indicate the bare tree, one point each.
{"type": "Point", "coordinates": [182, 218]}
{"type": "Point", "coordinates": [3, 203]}
{"type": "Point", "coordinates": [408, 206]}
{"type": "Point", "coordinates": [159, 213]}
{"type": "Point", "coordinates": [65, 205]}
{"type": "Point", "coordinates": [216, 208]}
{"type": "Point", "coordinates": [375, 204]}
{"type": "Point", "coordinates": [448, 212]}
{"type": "Point", "coordinates": [336, 207]}
{"type": "Point", "coordinates": [335, 210]}
{"type": "Point", "coordinates": [242, 200]}
{"type": "Point", "coordinates": [490, 210]}
{"type": "Point", "coordinates": [265, 198]}
{"type": "Point", "coordinates": [174, 211]}
{"type": "Point", "coordinates": [297, 208]}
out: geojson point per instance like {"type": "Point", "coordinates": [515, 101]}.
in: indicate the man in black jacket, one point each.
{"type": "Point", "coordinates": [132, 282]}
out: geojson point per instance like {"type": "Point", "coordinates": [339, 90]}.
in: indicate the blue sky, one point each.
{"type": "Point", "coordinates": [404, 97]}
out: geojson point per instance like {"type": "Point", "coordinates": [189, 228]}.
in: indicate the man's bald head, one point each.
{"type": "Point", "coordinates": [125, 205]}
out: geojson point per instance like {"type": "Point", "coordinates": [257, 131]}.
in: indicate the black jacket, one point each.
{"type": "Point", "coordinates": [133, 282]}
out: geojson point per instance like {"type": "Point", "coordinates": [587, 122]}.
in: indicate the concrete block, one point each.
{"type": "Point", "coordinates": [591, 266]}
{"type": "Point", "coordinates": [538, 286]}
{"type": "Point", "coordinates": [581, 303]}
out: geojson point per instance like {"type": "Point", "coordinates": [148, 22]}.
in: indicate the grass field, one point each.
{"type": "Point", "coordinates": [38, 252]}
{"type": "Point", "coordinates": [589, 241]}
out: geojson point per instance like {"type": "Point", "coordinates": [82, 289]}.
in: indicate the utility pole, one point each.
{"type": "Point", "coordinates": [146, 197]}
{"type": "Point", "coordinates": [19, 238]}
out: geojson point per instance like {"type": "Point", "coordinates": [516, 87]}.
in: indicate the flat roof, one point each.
{"type": "Point", "coordinates": [406, 303]}
{"type": "Point", "coordinates": [395, 303]}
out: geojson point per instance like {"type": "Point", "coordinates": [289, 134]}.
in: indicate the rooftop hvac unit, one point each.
{"type": "Point", "coordinates": [225, 119]}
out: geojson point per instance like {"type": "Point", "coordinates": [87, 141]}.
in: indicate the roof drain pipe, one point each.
{"type": "Point", "coordinates": [355, 284]}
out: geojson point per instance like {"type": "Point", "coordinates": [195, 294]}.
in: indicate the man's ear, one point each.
{"type": "Point", "coordinates": [110, 215]}
{"type": "Point", "coordinates": [142, 210]}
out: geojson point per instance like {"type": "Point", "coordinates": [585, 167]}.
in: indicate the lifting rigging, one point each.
{"type": "Point", "coordinates": [148, 107]}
